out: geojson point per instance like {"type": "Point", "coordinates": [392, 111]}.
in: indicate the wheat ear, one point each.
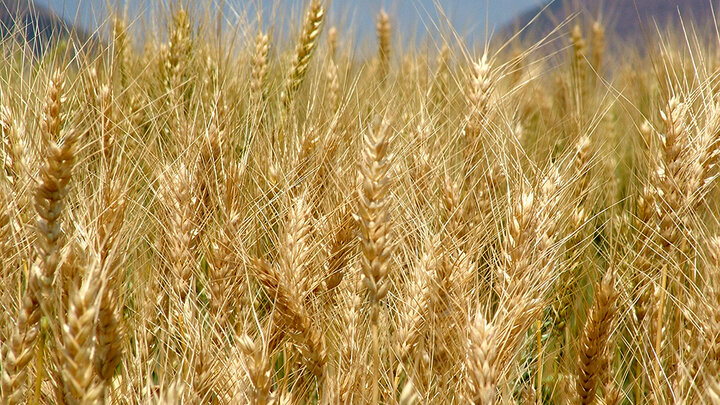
{"type": "Point", "coordinates": [179, 50]}
{"type": "Point", "coordinates": [13, 148]}
{"type": "Point", "coordinates": [80, 382]}
{"type": "Point", "coordinates": [478, 97]}
{"type": "Point", "coordinates": [374, 222]}
{"type": "Point", "coordinates": [481, 86]}
{"type": "Point", "coordinates": [384, 35]}
{"type": "Point", "coordinates": [332, 40]}
{"type": "Point", "coordinates": [441, 76]}
{"type": "Point", "coordinates": [594, 342]}
{"type": "Point", "coordinates": [105, 101]}
{"type": "Point", "coordinates": [19, 349]}
{"type": "Point", "coordinates": [671, 186]}
{"type": "Point", "coordinates": [338, 251]}
{"type": "Point", "coordinates": [180, 240]}
{"type": "Point", "coordinates": [579, 48]}
{"type": "Point", "coordinates": [286, 284]}
{"type": "Point", "coordinates": [259, 370]}
{"type": "Point", "coordinates": [333, 95]}
{"type": "Point", "coordinates": [110, 328]}
{"type": "Point", "coordinates": [568, 279]}
{"type": "Point", "coordinates": [50, 193]}
{"type": "Point", "coordinates": [224, 267]}
{"type": "Point", "coordinates": [259, 64]}
{"type": "Point", "coordinates": [598, 46]}
{"type": "Point", "coordinates": [671, 182]}
{"type": "Point", "coordinates": [307, 43]}
{"type": "Point", "coordinates": [528, 268]}
{"type": "Point", "coordinates": [121, 49]}
{"type": "Point", "coordinates": [481, 362]}
{"type": "Point", "coordinates": [109, 336]}
{"type": "Point", "coordinates": [294, 316]}
{"type": "Point", "coordinates": [53, 184]}
{"type": "Point", "coordinates": [373, 213]}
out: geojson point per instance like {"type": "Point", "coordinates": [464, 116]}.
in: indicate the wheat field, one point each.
{"type": "Point", "coordinates": [205, 219]}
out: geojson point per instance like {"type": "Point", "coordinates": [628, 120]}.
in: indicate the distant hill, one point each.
{"type": "Point", "coordinates": [625, 18]}
{"type": "Point", "coordinates": [35, 25]}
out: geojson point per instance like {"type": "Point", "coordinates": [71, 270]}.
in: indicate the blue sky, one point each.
{"type": "Point", "coordinates": [466, 16]}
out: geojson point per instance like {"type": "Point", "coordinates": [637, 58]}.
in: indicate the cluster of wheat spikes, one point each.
{"type": "Point", "coordinates": [225, 219]}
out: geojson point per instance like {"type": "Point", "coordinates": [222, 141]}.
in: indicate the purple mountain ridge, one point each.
{"type": "Point", "coordinates": [35, 25]}
{"type": "Point", "coordinates": [627, 19]}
